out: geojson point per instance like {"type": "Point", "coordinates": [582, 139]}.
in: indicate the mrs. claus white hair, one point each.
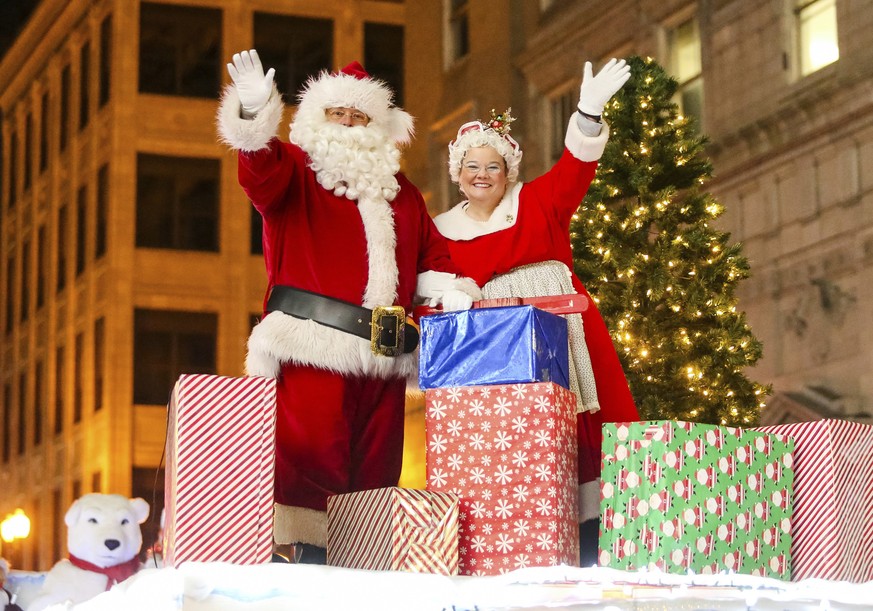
{"type": "Point", "coordinates": [476, 134]}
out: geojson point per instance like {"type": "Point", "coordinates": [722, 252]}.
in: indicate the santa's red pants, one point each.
{"type": "Point", "coordinates": [335, 433]}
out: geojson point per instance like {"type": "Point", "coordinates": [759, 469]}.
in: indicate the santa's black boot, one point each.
{"type": "Point", "coordinates": [305, 553]}
{"type": "Point", "coordinates": [589, 532]}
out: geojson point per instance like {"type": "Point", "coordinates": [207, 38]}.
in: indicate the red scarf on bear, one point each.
{"type": "Point", "coordinates": [115, 574]}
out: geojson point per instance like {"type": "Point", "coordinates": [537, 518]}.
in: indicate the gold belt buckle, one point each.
{"type": "Point", "coordinates": [393, 320]}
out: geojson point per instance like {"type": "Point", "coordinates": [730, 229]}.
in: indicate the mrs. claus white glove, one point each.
{"type": "Point", "coordinates": [596, 91]}
{"type": "Point", "coordinates": [454, 300]}
{"type": "Point", "coordinates": [252, 86]}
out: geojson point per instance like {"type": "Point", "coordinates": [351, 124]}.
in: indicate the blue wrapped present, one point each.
{"type": "Point", "coordinates": [505, 345]}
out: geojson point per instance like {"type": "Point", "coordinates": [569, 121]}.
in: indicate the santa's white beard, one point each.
{"type": "Point", "coordinates": [357, 162]}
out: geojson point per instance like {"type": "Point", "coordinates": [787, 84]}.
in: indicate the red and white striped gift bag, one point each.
{"type": "Point", "coordinates": [394, 529]}
{"type": "Point", "coordinates": [832, 525]}
{"type": "Point", "coordinates": [221, 440]}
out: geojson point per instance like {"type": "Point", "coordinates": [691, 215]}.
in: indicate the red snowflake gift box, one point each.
{"type": "Point", "coordinates": [394, 529]}
{"type": "Point", "coordinates": [509, 452]}
{"type": "Point", "coordinates": [832, 526]}
{"type": "Point", "coordinates": [221, 442]}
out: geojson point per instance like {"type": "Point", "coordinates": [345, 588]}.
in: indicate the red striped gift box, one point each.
{"type": "Point", "coordinates": [394, 529]}
{"type": "Point", "coordinates": [832, 526]}
{"type": "Point", "coordinates": [220, 468]}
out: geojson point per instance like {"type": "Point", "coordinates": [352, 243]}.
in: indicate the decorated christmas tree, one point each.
{"type": "Point", "coordinates": [663, 275]}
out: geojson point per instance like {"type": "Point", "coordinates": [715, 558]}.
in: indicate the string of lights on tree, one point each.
{"type": "Point", "coordinates": [662, 275]}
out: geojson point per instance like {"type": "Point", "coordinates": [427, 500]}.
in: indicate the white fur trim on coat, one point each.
{"type": "Point", "coordinates": [456, 224]}
{"type": "Point", "coordinates": [369, 95]}
{"type": "Point", "coordinates": [280, 338]}
{"type": "Point", "coordinates": [248, 134]}
{"type": "Point", "coordinates": [582, 147]}
{"type": "Point", "coordinates": [299, 525]}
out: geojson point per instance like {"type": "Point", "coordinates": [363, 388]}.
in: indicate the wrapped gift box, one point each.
{"type": "Point", "coordinates": [509, 453]}
{"type": "Point", "coordinates": [394, 529]}
{"type": "Point", "coordinates": [832, 527]}
{"type": "Point", "coordinates": [505, 345]}
{"type": "Point", "coordinates": [678, 495]}
{"type": "Point", "coordinates": [221, 439]}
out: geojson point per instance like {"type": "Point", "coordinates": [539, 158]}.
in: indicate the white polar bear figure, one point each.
{"type": "Point", "coordinates": [103, 540]}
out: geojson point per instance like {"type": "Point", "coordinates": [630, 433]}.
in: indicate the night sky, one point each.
{"type": "Point", "coordinates": [13, 16]}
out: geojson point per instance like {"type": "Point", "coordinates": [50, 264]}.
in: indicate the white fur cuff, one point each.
{"type": "Point", "coordinates": [299, 525]}
{"type": "Point", "coordinates": [248, 134]}
{"type": "Point", "coordinates": [585, 148]}
{"type": "Point", "coordinates": [469, 286]}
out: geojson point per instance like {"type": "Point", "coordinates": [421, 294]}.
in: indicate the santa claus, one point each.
{"type": "Point", "coordinates": [348, 244]}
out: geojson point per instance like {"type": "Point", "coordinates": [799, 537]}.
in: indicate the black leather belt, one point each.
{"type": "Point", "coordinates": [386, 327]}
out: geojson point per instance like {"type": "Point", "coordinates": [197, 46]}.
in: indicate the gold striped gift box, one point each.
{"type": "Point", "coordinates": [832, 526]}
{"type": "Point", "coordinates": [221, 439]}
{"type": "Point", "coordinates": [394, 529]}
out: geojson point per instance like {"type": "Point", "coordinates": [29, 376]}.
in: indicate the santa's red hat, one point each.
{"type": "Point", "coordinates": [353, 87]}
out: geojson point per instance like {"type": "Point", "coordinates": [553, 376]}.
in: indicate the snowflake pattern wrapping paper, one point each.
{"type": "Point", "coordinates": [680, 495]}
{"type": "Point", "coordinates": [509, 452]}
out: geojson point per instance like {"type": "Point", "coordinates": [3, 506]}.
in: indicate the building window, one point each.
{"type": "Point", "coordinates": [64, 123]}
{"type": "Point", "coordinates": [60, 375]}
{"type": "Point", "coordinates": [102, 211]}
{"type": "Point", "coordinates": [84, 85]}
{"type": "Point", "coordinates": [166, 345]}
{"type": "Point", "coordinates": [149, 484]}
{"type": "Point", "coordinates": [99, 364]}
{"type": "Point", "coordinates": [458, 17]}
{"type": "Point", "coordinates": [177, 203]}
{"type": "Point", "coordinates": [25, 281]}
{"type": "Point", "coordinates": [561, 109]}
{"type": "Point", "coordinates": [41, 266]}
{"type": "Point", "coordinates": [10, 294]}
{"type": "Point", "coordinates": [297, 47]}
{"type": "Point", "coordinates": [39, 408]}
{"type": "Point", "coordinates": [61, 247]}
{"type": "Point", "coordinates": [58, 528]}
{"type": "Point", "coordinates": [43, 133]}
{"type": "Point", "coordinates": [7, 422]}
{"type": "Point", "coordinates": [817, 25]}
{"type": "Point", "coordinates": [22, 412]}
{"type": "Point", "coordinates": [13, 169]}
{"type": "Point", "coordinates": [179, 50]}
{"type": "Point", "coordinates": [28, 151]}
{"type": "Point", "coordinates": [78, 378]}
{"type": "Point", "coordinates": [685, 65]}
{"type": "Point", "coordinates": [383, 55]}
{"type": "Point", "coordinates": [105, 61]}
{"type": "Point", "coordinates": [256, 246]}
{"type": "Point", "coordinates": [81, 229]}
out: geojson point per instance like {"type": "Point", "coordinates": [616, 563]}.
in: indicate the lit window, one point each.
{"type": "Point", "coordinates": [817, 25]}
{"type": "Point", "coordinates": [458, 13]}
{"type": "Point", "coordinates": [685, 66]}
{"type": "Point", "coordinates": [296, 47]}
{"type": "Point", "coordinates": [562, 107]}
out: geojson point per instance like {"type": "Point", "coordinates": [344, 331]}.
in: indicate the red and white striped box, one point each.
{"type": "Point", "coordinates": [509, 452]}
{"type": "Point", "coordinates": [394, 529]}
{"type": "Point", "coordinates": [221, 440]}
{"type": "Point", "coordinates": [832, 526]}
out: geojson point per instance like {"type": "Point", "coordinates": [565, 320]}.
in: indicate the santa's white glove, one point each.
{"type": "Point", "coordinates": [453, 300]}
{"type": "Point", "coordinates": [252, 85]}
{"type": "Point", "coordinates": [596, 91]}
